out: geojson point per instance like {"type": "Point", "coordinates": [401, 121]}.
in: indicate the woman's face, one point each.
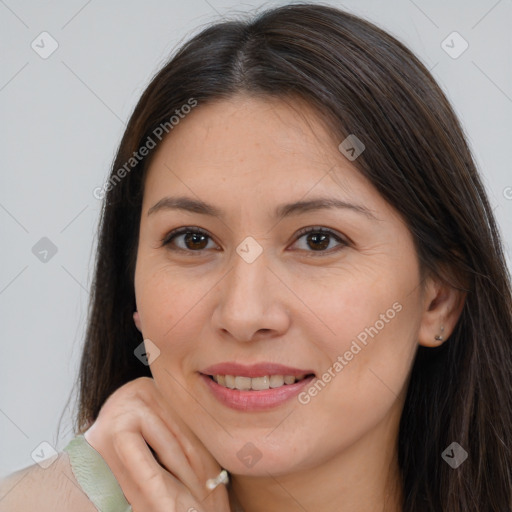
{"type": "Point", "coordinates": [341, 307]}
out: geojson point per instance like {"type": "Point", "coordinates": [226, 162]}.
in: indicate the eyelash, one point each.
{"type": "Point", "coordinates": [166, 241]}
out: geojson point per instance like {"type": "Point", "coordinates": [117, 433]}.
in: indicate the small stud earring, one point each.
{"type": "Point", "coordinates": [437, 337]}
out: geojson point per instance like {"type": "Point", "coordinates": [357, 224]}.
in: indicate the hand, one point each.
{"type": "Point", "coordinates": [170, 474]}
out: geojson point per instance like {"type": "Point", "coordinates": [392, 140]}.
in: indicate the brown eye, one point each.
{"type": "Point", "coordinates": [320, 239]}
{"type": "Point", "coordinates": [317, 240]}
{"type": "Point", "coordinates": [191, 240]}
{"type": "Point", "coordinates": [195, 241]}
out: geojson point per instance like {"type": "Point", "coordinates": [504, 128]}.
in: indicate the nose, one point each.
{"type": "Point", "coordinates": [251, 302]}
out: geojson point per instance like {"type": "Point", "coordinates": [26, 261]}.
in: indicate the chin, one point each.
{"type": "Point", "coordinates": [255, 459]}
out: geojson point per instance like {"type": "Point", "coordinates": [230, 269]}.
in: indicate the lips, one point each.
{"type": "Point", "coordinates": [255, 387]}
{"type": "Point", "coordinates": [255, 370]}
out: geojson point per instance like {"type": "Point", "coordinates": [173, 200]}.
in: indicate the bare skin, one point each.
{"type": "Point", "coordinates": [292, 305]}
{"type": "Point", "coordinates": [45, 490]}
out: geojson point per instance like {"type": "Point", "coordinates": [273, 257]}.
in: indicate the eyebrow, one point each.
{"type": "Point", "coordinates": [285, 210]}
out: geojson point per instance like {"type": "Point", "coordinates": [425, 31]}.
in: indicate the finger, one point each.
{"type": "Point", "coordinates": [134, 466]}
{"type": "Point", "coordinates": [201, 463]}
{"type": "Point", "coordinates": [150, 488]}
{"type": "Point", "coordinates": [146, 485]}
{"type": "Point", "coordinates": [200, 459]}
{"type": "Point", "coordinates": [170, 453]}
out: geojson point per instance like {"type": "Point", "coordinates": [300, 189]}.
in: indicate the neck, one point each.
{"type": "Point", "coordinates": [364, 477]}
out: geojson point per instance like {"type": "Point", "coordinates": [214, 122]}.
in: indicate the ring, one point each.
{"type": "Point", "coordinates": [221, 478]}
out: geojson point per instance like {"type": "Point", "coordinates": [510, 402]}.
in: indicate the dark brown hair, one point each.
{"type": "Point", "coordinates": [361, 81]}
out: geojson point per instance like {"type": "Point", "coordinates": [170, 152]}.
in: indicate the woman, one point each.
{"type": "Point", "coordinates": [295, 227]}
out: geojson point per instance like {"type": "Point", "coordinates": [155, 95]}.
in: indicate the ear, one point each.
{"type": "Point", "coordinates": [136, 319]}
{"type": "Point", "coordinates": [442, 308]}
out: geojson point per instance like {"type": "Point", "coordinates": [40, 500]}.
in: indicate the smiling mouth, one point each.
{"type": "Point", "coordinates": [256, 383]}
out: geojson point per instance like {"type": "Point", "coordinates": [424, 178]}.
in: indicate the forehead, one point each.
{"type": "Point", "coordinates": [239, 133]}
{"type": "Point", "coordinates": [244, 148]}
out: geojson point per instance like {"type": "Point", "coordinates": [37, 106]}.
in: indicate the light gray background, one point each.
{"type": "Point", "coordinates": [62, 121]}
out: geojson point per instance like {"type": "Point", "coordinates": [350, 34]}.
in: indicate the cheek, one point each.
{"type": "Point", "coordinates": [169, 303]}
{"type": "Point", "coordinates": [370, 355]}
{"type": "Point", "coordinates": [344, 303]}
{"type": "Point", "coordinates": [156, 299]}
{"type": "Point", "coordinates": [366, 320]}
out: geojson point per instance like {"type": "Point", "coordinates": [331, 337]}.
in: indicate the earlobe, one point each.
{"type": "Point", "coordinates": [434, 337]}
{"type": "Point", "coordinates": [136, 319]}
{"type": "Point", "coordinates": [442, 308]}
{"type": "Point", "coordinates": [440, 337]}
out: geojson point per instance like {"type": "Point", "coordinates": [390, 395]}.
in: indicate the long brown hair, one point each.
{"type": "Point", "coordinates": [361, 81]}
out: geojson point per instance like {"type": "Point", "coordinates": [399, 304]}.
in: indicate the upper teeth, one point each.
{"type": "Point", "coordinates": [256, 383]}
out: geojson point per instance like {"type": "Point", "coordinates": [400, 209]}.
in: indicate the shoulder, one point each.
{"type": "Point", "coordinates": [52, 489]}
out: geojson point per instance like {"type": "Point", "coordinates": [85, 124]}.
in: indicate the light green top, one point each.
{"type": "Point", "coordinates": [95, 477]}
